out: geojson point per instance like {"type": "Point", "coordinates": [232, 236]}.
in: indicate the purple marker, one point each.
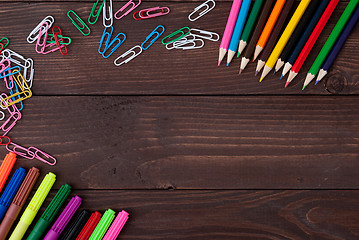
{"type": "Point", "coordinates": [63, 219]}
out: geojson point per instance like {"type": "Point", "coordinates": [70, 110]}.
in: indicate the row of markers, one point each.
{"type": "Point", "coordinates": [86, 225]}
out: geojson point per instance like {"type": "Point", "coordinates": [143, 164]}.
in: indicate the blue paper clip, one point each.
{"type": "Point", "coordinates": [21, 106]}
{"type": "Point", "coordinates": [3, 75]}
{"type": "Point", "coordinates": [108, 34]}
{"type": "Point", "coordinates": [154, 32]}
{"type": "Point", "coordinates": [117, 38]}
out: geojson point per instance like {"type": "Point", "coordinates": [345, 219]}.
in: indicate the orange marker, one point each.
{"type": "Point", "coordinates": [267, 30]}
{"type": "Point", "coordinates": [6, 167]}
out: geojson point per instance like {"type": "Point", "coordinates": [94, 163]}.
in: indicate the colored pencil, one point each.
{"type": "Point", "coordinates": [293, 22]}
{"type": "Point", "coordinates": [304, 37]}
{"type": "Point", "coordinates": [237, 32]}
{"type": "Point", "coordinates": [338, 46]}
{"type": "Point", "coordinates": [229, 29]}
{"type": "Point", "coordinates": [250, 25]}
{"type": "Point", "coordinates": [330, 42]}
{"type": "Point", "coordinates": [267, 30]}
{"type": "Point", "coordinates": [254, 38]}
{"type": "Point", "coordinates": [274, 36]}
{"type": "Point", "coordinates": [304, 21]}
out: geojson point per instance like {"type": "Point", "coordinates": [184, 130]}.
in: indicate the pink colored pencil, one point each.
{"type": "Point", "coordinates": [227, 35]}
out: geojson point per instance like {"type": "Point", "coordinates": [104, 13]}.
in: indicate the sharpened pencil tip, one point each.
{"type": "Point", "coordinates": [219, 63]}
{"type": "Point", "coordinates": [286, 84]}
{"type": "Point", "coordinates": [260, 80]}
{"type": "Point", "coordinates": [227, 64]}
{"type": "Point", "coordinates": [281, 76]}
{"type": "Point", "coordinates": [303, 87]}
{"type": "Point", "coordinates": [316, 82]}
{"type": "Point", "coordinates": [256, 73]}
{"type": "Point", "coordinates": [240, 70]}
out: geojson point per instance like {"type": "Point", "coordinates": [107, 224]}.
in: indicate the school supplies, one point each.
{"type": "Point", "coordinates": [77, 225]}
{"type": "Point", "coordinates": [133, 6]}
{"type": "Point", "coordinates": [79, 21]}
{"type": "Point", "coordinates": [311, 40]}
{"type": "Point", "coordinates": [34, 33]}
{"type": "Point", "coordinates": [23, 94]}
{"type": "Point", "coordinates": [157, 32]}
{"type": "Point", "coordinates": [304, 37]}
{"type": "Point", "coordinates": [267, 30]}
{"type": "Point", "coordinates": [31, 153]}
{"type": "Point", "coordinates": [249, 25]}
{"type": "Point", "coordinates": [241, 19]}
{"type": "Point", "coordinates": [285, 37]}
{"type": "Point", "coordinates": [186, 43]}
{"type": "Point", "coordinates": [151, 13]}
{"type": "Point", "coordinates": [18, 202]}
{"type": "Point", "coordinates": [4, 45]}
{"type": "Point", "coordinates": [6, 167]}
{"type": "Point", "coordinates": [298, 31]}
{"type": "Point", "coordinates": [330, 41]}
{"type": "Point", "coordinates": [338, 46]}
{"type": "Point", "coordinates": [33, 207]}
{"type": "Point", "coordinates": [57, 32]}
{"type": "Point", "coordinates": [93, 14]}
{"type": "Point", "coordinates": [64, 219]}
{"type": "Point", "coordinates": [103, 225]}
{"type": "Point", "coordinates": [62, 39]}
{"type": "Point", "coordinates": [254, 38]}
{"type": "Point", "coordinates": [116, 226]}
{"type": "Point", "coordinates": [10, 122]}
{"type": "Point", "coordinates": [130, 51]}
{"type": "Point", "coordinates": [11, 190]}
{"type": "Point", "coordinates": [226, 38]}
{"type": "Point", "coordinates": [89, 226]}
{"type": "Point", "coordinates": [50, 213]}
{"type": "Point", "coordinates": [107, 12]}
{"type": "Point", "coordinates": [120, 38]}
{"type": "Point", "coordinates": [206, 8]}
{"type": "Point", "coordinates": [183, 31]}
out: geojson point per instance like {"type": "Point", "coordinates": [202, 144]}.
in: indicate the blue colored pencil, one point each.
{"type": "Point", "coordinates": [241, 20]}
{"type": "Point", "coordinates": [338, 46]}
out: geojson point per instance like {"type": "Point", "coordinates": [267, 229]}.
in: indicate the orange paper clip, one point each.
{"type": "Point", "coordinates": [6, 167]}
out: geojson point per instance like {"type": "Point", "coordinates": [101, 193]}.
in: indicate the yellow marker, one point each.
{"type": "Point", "coordinates": [33, 207]}
{"type": "Point", "coordinates": [285, 37]}
{"type": "Point", "coordinates": [24, 91]}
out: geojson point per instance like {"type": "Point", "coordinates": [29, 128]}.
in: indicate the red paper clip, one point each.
{"type": "Point", "coordinates": [58, 32]}
{"type": "Point", "coordinates": [151, 13]}
{"type": "Point", "coordinates": [7, 140]}
{"type": "Point", "coordinates": [2, 47]}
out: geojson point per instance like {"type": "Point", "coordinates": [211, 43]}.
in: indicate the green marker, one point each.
{"type": "Point", "coordinates": [103, 225]}
{"type": "Point", "coordinates": [313, 71]}
{"type": "Point", "coordinates": [48, 216]}
{"type": "Point", "coordinates": [249, 25]}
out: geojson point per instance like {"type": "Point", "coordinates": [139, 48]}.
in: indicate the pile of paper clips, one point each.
{"type": "Point", "coordinates": [187, 39]}
{"type": "Point", "coordinates": [17, 73]}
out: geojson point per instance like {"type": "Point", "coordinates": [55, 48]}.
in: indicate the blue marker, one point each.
{"type": "Point", "coordinates": [237, 32]}
{"type": "Point", "coordinates": [10, 191]}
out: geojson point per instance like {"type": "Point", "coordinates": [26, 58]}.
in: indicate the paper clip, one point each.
{"type": "Point", "coordinates": [134, 54]}
{"type": "Point", "coordinates": [108, 37]}
{"type": "Point", "coordinates": [179, 31]}
{"type": "Point", "coordinates": [153, 33]}
{"type": "Point", "coordinates": [192, 44]}
{"type": "Point", "coordinates": [125, 6]}
{"type": "Point", "coordinates": [7, 42]}
{"type": "Point", "coordinates": [7, 140]}
{"type": "Point", "coordinates": [110, 13]}
{"type": "Point", "coordinates": [2, 47]}
{"type": "Point", "coordinates": [18, 97]}
{"type": "Point", "coordinates": [79, 20]}
{"type": "Point", "coordinates": [212, 36]}
{"type": "Point", "coordinates": [117, 38]}
{"type": "Point", "coordinates": [34, 33]}
{"type": "Point", "coordinates": [93, 11]}
{"type": "Point", "coordinates": [61, 39]}
{"type": "Point", "coordinates": [56, 34]}
{"type": "Point", "coordinates": [45, 25]}
{"type": "Point", "coordinates": [206, 7]}
{"type": "Point", "coordinates": [180, 42]}
{"type": "Point", "coordinates": [25, 92]}
{"type": "Point", "coordinates": [31, 153]}
{"type": "Point", "coordinates": [11, 71]}
{"type": "Point", "coordinates": [3, 69]}
{"type": "Point", "coordinates": [15, 116]}
{"type": "Point", "coordinates": [151, 13]}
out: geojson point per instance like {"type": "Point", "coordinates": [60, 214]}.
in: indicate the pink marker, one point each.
{"type": "Point", "coordinates": [227, 35]}
{"type": "Point", "coordinates": [116, 226]}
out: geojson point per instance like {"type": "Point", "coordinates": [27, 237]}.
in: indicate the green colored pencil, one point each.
{"type": "Point", "coordinates": [313, 71]}
{"type": "Point", "coordinates": [250, 24]}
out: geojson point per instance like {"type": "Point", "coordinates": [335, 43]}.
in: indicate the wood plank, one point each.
{"type": "Point", "coordinates": [249, 215]}
{"type": "Point", "coordinates": [157, 71]}
{"type": "Point", "coordinates": [196, 142]}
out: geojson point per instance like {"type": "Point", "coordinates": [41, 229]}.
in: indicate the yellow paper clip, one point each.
{"type": "Point", "coordinates": [24, 91]}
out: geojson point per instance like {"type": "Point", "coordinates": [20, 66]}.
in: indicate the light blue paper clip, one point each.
{"type": "Point", "coordinates": [108, 34]}
{"type": "Point", "coordinates": [117, 38]}
{"type": "Point", "coordinates": [10, 71]}
{"type": "Point", "coordinates": [19, 104]}
{"type": "Point", "coordinates": [154, 32]}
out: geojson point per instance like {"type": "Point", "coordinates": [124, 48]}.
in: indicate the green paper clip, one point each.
{"type": "Point", "coordinates": [7, 41]}
{"type": "Point", "coordinates": [93, 11]}
{"type": "Point", "coordinates": [103, 225]}
{"type": "Point", "coordinates": [80, 21]}
{"type": "Point", "coordinates": [61, 38]}
{"type": "Point", "coordinates": [183, 34]}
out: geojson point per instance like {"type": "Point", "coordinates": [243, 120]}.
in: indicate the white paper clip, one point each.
{"type": "Point", "coordinates": [212, 36]}
{"type": "Point", "coordinates": [180, 42]}
{"type": "Point", "coordinates": [206, 7]}
{"type": "Point", "coordinates": [35, 33]}
{"type": "Point", "coordinates": [192, 44]}
{"type": "Point", "coordinates": [134, 54]}
{"type": "Point", "coordinates": [110, 13]}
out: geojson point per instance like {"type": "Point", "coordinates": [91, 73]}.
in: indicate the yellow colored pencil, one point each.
{"type": "Point", "coordinates": [285, 37]}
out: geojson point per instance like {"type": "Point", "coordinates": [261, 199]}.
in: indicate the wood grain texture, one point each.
{"type": "Point", "coordinates": [196, 142]}
{"type": "Point", "coordinates": [218, 215]}
{"type": "Point", "coordinates": [157, 71]}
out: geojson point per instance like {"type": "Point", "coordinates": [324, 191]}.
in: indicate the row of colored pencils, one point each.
{"type": "Point", "coordinates": [278, 35]}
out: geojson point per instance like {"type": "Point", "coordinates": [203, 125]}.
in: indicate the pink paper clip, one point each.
{"type": "Point", "coordinates": [31, 153]}
{"type": "Point", "coordinates": [15, 116]}
{"type": "Point", "coordinates": [151, 13]}
{"type": "Point", "coordinates": [3, 67]}
{"type": "Point", "coordinates": [44, 25]}
{"type": "Point", "coordinates": [116, 226]}
{"type": "Point", "coordinates": [20, 151]}
{"type": "Point", "coordinates": [128, 11]}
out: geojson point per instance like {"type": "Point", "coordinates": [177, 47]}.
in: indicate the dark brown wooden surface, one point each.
{"type": "Point", "coordinates": [190, 150]}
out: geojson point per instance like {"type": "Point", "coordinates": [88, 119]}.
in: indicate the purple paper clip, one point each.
{"type": "Point", "coordinates": [128, 11]}
{"type": "Point", "coordinates": [63, 219]}
{"type": "Point", "coordinates": [31, 153]}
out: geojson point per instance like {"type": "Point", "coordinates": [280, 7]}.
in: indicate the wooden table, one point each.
{"type": "Point", "coordinates": [189, 149]}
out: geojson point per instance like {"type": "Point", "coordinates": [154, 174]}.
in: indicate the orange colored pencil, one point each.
{"type": "Point", "coordinates": [267, 30]}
